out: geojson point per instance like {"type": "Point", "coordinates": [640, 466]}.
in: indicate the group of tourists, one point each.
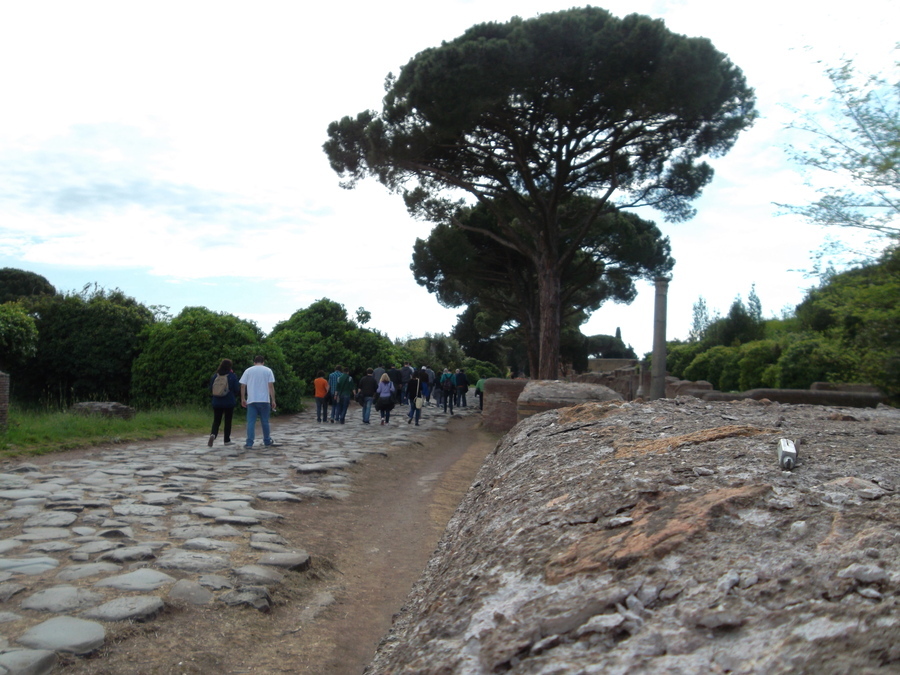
{"type": "Point", "coordinates": [380, 388]}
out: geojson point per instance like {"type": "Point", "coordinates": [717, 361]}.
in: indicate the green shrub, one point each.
{"type": "Point", "coordinates": [680, 355]}
{"type": "Point", "coordinates": [755, 360]}
{"type": "Point", "coordinates": [712, 364]}
{"type": "Point", "coordinates": [180, 356]}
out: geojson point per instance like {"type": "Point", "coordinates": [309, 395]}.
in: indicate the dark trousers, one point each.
{"type": "Point", "coordinates": [218, 414]}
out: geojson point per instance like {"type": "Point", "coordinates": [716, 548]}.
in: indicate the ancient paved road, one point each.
{"type": "Point", "coordinates": [113, 535]}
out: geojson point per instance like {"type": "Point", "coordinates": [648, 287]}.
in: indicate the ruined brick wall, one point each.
{"type": "Point", "coordinates": [4, 400]}
{"type": "Point", "coordinates": [500, 403]}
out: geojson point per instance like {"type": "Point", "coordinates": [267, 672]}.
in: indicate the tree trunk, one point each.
{"type": "Point", "coordinates": [549, 294]}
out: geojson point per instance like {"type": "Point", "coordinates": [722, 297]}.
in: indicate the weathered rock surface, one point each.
{"type": "Point", "coordinates": [664, 538]}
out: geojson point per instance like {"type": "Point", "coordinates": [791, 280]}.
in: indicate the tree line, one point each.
{"type": "Point", "coordinates": [99, 344]}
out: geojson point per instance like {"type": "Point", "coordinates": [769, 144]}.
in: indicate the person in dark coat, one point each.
{"type": "Point", "coordinates": [223, 402]}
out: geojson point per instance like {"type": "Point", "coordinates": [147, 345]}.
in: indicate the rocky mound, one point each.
{"type": "Point", "coordinates": [663, 537]}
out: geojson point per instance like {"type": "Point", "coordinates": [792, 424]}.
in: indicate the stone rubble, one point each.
{"type": "Point", "coordinates": [663, 537]}
{"type": "Point", "coordinates": [117, 534]}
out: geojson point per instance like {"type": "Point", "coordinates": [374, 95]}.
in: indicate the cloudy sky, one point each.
{"type": "Point", "coordinates": [173, 150]}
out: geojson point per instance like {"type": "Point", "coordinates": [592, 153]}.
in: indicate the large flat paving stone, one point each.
{"type": "Point", "coordinates": [65, 634]}
{"type": "Point", "coordinates": [27, 662]}
{"type": "Point", "coordinates": [27, 565]}
{"type": "Point", "coordinates": [61, 599]}
{"type": "Point", "coordinates": [73, 572]}
{"type": "Point", "coordinates": [192, 561]}
{"type": "Point", "coordinates": [139, 580]}
{"type": "Point", "coordinates": [135, 608]}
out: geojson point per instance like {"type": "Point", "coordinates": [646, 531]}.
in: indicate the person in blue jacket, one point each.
{"type": "Point", "coordinates": [224, 399]}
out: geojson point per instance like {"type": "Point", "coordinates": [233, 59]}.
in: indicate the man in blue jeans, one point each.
{"type": "Point", "coordinates": [258, 397]}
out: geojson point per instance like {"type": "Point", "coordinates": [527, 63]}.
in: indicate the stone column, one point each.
{"type": "Point", "coordinates": [658, 367]}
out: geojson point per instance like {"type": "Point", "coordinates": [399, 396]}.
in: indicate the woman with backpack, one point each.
{"type": "Point", "coordinates": [225, 389]}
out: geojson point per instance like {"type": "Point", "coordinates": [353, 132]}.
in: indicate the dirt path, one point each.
{"type": "Point", "coordinates": [367, 552]}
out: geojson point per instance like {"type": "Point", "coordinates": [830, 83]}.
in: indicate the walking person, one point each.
{"type": "Point", "coordinates": [406, 373]}
{"type": "Point", "coordinates": [384, 397]}
{"type": "Point", "coordinates": [448, 388]}
{"type": "Point", "coordinates": [479, 392]}
{"type": "Point", "coordinates": [416, 399]}
{"type": "Point", "coordinates": [344, 390]}
{"type": "Point", "coordinates": [258, 397]}
{"type": "Point", "coordinates": [321, 394]}
{"type": "Point", "coordinates": [438, 391]}
{"type": "Point", "coordinates": [225, 389]}
{"type": "Point", "coordinates": [430, 389]}
{"type": "Point", "coordinates": [367, 388]}
{"type": "Point", "coordinates": [332, 390]}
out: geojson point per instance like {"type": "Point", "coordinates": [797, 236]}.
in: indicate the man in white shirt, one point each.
{"type": "Point", "coordinates": [258, 397]}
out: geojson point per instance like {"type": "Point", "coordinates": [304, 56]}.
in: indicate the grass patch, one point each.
{"type": "Point", "coordinates": [37, 433]}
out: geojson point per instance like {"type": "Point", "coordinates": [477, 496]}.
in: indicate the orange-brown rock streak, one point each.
{"type": "Point", "coordinates": [661, 523]}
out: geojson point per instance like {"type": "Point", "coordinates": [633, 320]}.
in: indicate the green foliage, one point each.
{"type": "Point", "coordinates": [680, 355]}
{"type": "Point", "coordinates": [436, 351]}
{"type": "Point", "coordinates": [86, 344]}
{"type": "Point", "coordinates": [526, 115]}
{"type": "Point", "coordinates": [738, 327]}
{"type": "Point", "coordinates": [480, 333]}
{"type": "Point", "coordinates": [718, 366]}
{"type": "Point", "coordinates": [180, 356]}
{"type": "Point", "coordinates": [756, 361]}
{"type": "Point", "coordinates": [476, 369]}
{"type": "Point", "coordinates": [16, 284]}
{"type": "Point", "coordinates": [321, 337]}
{"type": "Point", "coordinates": [810, 358]}
{"type": "Point", "coordinates": [856, 149]}
{"type": "Point", "coordinates": [470, 267]}
{"type": "Point", "coordinates": [609, 347]}
{"type": "Point", "coordinates": [18, 334]}
{"type": "Point", "coordinates": [846, 330]}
